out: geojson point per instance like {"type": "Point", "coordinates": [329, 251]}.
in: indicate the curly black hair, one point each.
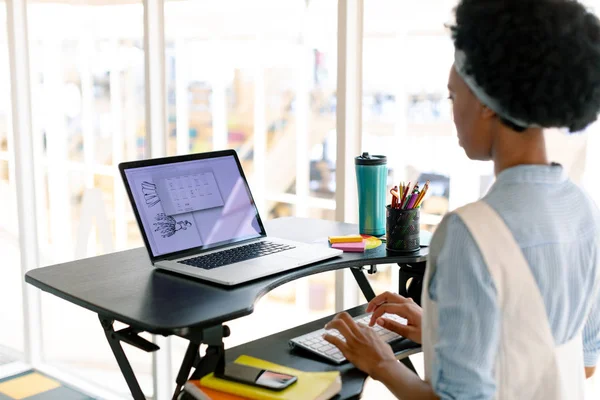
{"type": "Point", "coordinates": [540, 59]}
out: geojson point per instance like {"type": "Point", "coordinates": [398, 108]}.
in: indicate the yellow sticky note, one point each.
{"type": "Point", "coordinates": [372, 242]}
{"type": "Point", "coordinates": [27, 386]}
{"type": "Point", "coordinates": [345, 239]}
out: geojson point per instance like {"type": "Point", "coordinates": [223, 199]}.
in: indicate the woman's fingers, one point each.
{"type": "Point", "coordinates": [410, 311]}
{"type": "Point", "coordinates": [386, 297]}
{"type": "Point", "coordinates": [337, 342]}
{"type": "Point", "coordinates": [345, 325]}
{"type": "Point", "coordinates": [408, 331]}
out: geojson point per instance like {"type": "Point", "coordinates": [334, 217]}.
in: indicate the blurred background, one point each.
{"type": "Point", "coordinates": [258, 76]}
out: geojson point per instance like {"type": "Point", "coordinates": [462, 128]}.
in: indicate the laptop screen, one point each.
{"type": "Point", "coordinates": [199, 203]}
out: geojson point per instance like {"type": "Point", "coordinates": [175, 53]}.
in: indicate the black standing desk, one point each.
{"type": "Point", "coordinates": [124, 287]}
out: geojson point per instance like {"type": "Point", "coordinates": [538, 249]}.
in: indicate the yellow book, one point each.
{"type": "Point", "coordinates": [345, 239]}
{"type": "Point", "coordinates": [310, 385]}
{"type": "Point", "coordinates": [199, 392]}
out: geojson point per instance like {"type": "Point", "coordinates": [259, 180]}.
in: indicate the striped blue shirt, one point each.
{"type": "Point", "coordinates": [558, 228]}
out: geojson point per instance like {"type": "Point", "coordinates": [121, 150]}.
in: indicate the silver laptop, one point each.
{"type": "Point", "coordinates": [198, 218]}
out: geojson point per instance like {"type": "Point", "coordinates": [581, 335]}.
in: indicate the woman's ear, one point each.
{"type": "Point", "coordinates": [487, 112]}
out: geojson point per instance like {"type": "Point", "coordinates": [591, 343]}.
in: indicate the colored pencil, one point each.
{"type": "Point", "coordinates": [422, 196]}
{"type": "Point", "coordinates": [405, 194]}
{"type": "Point", "coordinates": [412, 201]}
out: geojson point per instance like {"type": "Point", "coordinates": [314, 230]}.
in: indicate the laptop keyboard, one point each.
{"type": "Point", "coordinates": [237, 254]}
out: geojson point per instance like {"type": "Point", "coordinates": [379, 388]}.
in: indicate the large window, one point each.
{"type": "Point", "coordinates": [10, 284]}
{"type": "Point", "coordinates": [407, 55]}
{"type": "Point", "coordinates": [260, 77]}
{"type": "Point", "coordinates": [88, 103]}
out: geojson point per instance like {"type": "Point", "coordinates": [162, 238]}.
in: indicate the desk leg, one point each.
{"type": "Point", "coordinates": [124, 365]}
{"type": "Point", "coordinates": [190, 359]}
{"type": "Point", "coordinates": [363, 283]}
{"type": "Point", "coordinates": [406, 361]}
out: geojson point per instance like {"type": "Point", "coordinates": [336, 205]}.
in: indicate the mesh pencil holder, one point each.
{"type": "Point", "coordinates": [403, 230]}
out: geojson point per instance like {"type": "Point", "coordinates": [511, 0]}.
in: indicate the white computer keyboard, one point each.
{"type": "Point", "coordinates": [315, 343]}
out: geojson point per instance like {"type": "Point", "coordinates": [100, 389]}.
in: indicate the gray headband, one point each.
{"type": "Point", "coordinates": [460, 61]}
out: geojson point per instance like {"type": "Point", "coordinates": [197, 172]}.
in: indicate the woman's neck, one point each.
{"type": "Point", "coordinates": [512, 148]}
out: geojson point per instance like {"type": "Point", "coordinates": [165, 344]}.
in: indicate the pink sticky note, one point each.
{"type": "Point", "coordinates": [356, 247]}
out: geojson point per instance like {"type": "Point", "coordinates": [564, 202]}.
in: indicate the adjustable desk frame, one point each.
{"type": "Point", "coordinates": [121, 287]}
{"type": "Point", "coordinates": [214, 359]}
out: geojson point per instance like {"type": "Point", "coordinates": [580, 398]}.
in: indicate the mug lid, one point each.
{"type": "Point", "coordinates": [367, 159]}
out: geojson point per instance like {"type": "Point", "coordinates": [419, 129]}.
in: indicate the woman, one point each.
{"type": "Point", "coordinates": [510, 299]}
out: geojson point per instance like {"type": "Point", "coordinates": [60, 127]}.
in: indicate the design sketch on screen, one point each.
{"type": "Point", "coordinates": [150, 194]}
{"type": "Point", "coordinates": [168, 226]}
{"type": "Point", "coordinates": [193, 204]}
{"type": "Point", "coordinates": [167, 233]}
{"type": "Point", "coordinates": [188, 192]}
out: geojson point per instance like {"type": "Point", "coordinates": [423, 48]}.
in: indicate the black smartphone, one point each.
{"type": "Point", "coordinates": [263, 378]}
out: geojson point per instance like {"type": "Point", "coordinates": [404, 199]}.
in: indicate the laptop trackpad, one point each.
{"type": "Point", "coordinates": [304, 253]}
{"type": "Point", "coordinates": [294, 255]}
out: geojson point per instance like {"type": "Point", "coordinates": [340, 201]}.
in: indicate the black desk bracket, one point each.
{"type": "Point", "coordinates": [410, 280]}
{"type": "Point", "coordinates": [131, 337]}
{"type": "Point", "coordinates": [213, 360]}
{"type": "Point", "coordinates": [363, 282]}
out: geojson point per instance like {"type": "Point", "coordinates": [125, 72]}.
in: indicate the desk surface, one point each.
{"type": "Point", "coordinates": [124, 286]}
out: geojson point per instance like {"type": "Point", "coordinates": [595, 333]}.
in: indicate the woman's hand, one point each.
{"type": "Point", "coordinates": [362, 347]}
{"type": "Point", "coordinates": [406, 308]}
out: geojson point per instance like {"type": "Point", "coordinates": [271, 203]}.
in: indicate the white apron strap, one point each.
{"type": "Point", "coordinates": [570, 370]}
{"type": "Point", "coordinates": [526, 361]}
{"type": "Point", "coordinates": [529, 366]}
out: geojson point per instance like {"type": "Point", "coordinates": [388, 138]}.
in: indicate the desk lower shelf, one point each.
{"type": "Point", "coordinates": [275, 348]}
